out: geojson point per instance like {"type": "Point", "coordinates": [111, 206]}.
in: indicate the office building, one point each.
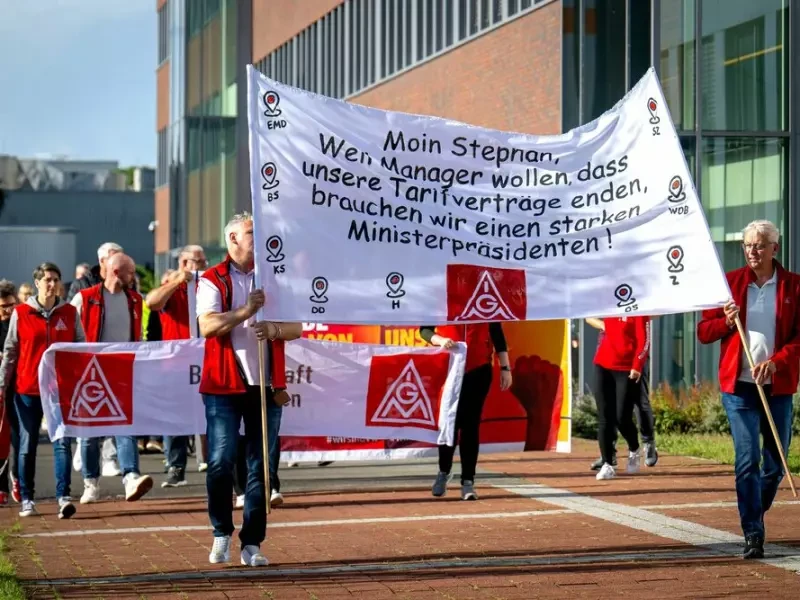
{"type": "Point", "coordinates": [541, 66]}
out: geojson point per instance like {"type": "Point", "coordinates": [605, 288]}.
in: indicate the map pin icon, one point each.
{"type": "Point", "coordinates": [274, 247]}
{"type": "Point", "coordinates": [394, 281]}
{"type": "Point", "coordinates": [271, 101]}
{"type": "Point", "coordinates": [269, 172]}
{"type": "Point", "coordinates": [676, 189]}
{"type": "Point", "coordinates": [319, 286]}
{"type": "Point", "coordinates": [675, 257]}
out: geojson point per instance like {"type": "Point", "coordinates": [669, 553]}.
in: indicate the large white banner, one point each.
{"type": "Point", "coordinates": [336, 388]}
{"type": "Point", "coordinates": [369, 216]}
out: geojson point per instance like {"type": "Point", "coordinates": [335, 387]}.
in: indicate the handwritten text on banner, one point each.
{"type": "Point", "coordinates": [369, 216]}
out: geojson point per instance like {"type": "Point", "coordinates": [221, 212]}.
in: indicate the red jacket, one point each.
{"type": "Point", "coordinates": [712, 327]}
{"type": "Point", "coordinates": [625, 344]}
{"type": "Point", "coordinates": [221, 371]}
{"type": "Point", "coordinates": [175, 315]}
{"type": "Point", "coordinates": [30, 333]}
{"type": "Point", "coordinates": [480, 349]}
{"type": "Point", "coordinates": [93, 313]}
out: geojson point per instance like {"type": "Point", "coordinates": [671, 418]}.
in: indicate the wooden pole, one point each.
{"type": "Point", "coordinates": [763, 397]}
{"type": "Point", "coordinates": [264, 438]}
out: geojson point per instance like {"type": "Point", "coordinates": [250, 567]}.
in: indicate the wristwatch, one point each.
{"type": "Point", "coordinates": [505, 368]}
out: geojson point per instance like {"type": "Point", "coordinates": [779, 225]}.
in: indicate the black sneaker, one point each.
{"type": "Point", "coordinates": [753, 546]}
{"type": "Point", "coordinates": [598, 464]}
{"type": "Point", "coordinates": [175, 478]}
{"type": "Point", "coordinates": [650, 454]}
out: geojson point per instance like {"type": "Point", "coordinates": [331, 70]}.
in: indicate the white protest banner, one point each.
{"type": "Point", "coordinates": [337, 389]}
{"type": "Point", "coordinates": [365, 216]}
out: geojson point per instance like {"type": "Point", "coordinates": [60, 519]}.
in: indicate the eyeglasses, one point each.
{"type": "Point", "coordinates": [756, 247]}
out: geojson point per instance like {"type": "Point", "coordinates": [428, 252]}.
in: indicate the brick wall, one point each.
{"type": "Point", "coordinates": [276, 21]}
{"type": "Point", "coordinates": [508, 79]}
{"type": "Point", "coordinates": [162, 96]}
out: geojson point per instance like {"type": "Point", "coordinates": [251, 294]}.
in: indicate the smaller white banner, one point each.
{"type": "Point", "coordinates": [337, 389]}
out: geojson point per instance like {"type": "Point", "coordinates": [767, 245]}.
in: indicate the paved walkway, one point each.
{"type": "Point", "coordinates": [543, 528]}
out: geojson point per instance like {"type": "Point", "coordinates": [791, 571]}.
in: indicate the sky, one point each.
{"type": "Point", "coordinates": [78, 79]}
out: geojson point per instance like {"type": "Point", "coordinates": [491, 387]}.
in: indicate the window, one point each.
{"type": "Point", "coordinates": [745, 76]}
{"type": "Point", "coordinates": [162, 159]}
{"type": "Point", "coordinates": [674, 358]}
{"type": "Point", "coordinates": [604, 61]}
{"type": "Point", "coordinates": [742, 179]}
{"type": "Point", "coordinates": [678, 50]}
{"type": "Point", "coordinates": [163, 33]}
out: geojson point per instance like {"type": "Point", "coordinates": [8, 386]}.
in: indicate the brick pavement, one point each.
{"type": "Point", "coordinates": [405, 544]}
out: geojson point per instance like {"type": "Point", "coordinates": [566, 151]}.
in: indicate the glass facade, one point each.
{"type": "Point", "coordinates": [199, 149]}
{"type": "Point", "coordinates": [724, 69]}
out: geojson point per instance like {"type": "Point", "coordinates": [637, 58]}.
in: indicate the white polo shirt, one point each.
{"type": "Point", "coordinates": [760, 321]}
{"type": "Point", "coordinates": [243, 336]}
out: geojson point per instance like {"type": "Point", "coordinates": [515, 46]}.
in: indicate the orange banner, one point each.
{"type": "Point", "coordinates": [533, 415]}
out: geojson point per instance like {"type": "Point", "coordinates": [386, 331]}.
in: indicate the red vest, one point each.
{"type": "Point", "coordinates": [221, 371]}
{"type": "Point", "coordinates": [93, 313]}
{"type": "Point", "coordinates": [480, 349]}
{"type": "Point", "coordinates": [35, 334]}
{"type": "Point", "coordinates": [175, 315]}
{"type": "Point", "coordinates": [786, 357]}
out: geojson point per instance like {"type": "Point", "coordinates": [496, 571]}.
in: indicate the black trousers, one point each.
{"type": "Point", "coordinates": [468, 422]}
{"type": "Point", "coordinates": [616, 395]}
{"type": "Point", "coordinates": [644, 412]}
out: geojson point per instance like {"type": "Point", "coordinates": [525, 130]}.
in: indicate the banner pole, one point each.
{"type": "Point", "coordinates": [764, 402]}
{"type": "Point", "coordinates": [264, 439]}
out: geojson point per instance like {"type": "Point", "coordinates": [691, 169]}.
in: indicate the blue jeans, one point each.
{"type": "Point", "coordinates": [224, 414]}
{"type": "Point", "coordinates": [756, 481]}
{"type": "Point", "coordinates": [176, 449]}
{"type": "Point", "coordinates": [28, 410]}
{"type": "Point", "coordinates": [127, 455]}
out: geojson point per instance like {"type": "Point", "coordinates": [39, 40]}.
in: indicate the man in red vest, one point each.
{"type": "Point", "coordinates": [172, 300]}
{"type": "Point", "coordinates": [227, 303]}
{"type": "Point", "coordinates": [111, 311]}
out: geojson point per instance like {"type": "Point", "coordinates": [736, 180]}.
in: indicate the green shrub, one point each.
{"type": "Point", "coordinates": [697, 409]}
{"type": "Point", "coordinates": [584, 417]}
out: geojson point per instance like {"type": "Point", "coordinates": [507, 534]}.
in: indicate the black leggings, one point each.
{"type": "Point", "coordinates": [468, 422]}
{"type": "Point", "coordinates": [616, 396]}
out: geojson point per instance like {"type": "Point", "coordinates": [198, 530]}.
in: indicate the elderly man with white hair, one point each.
{"type": "Point", "coordinates": [227, 304]}
{"type": "Point", "coordinates": [765, 297]}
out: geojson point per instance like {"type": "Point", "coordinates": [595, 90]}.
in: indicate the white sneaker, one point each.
{"type": "Point", "coordinates": [28, 509]}
{"type": "Point", "coordinates": [606, 472]}
{"type": "Point", "coordinates": [110, 469]}
{"type": "Point", "coordinates": [137, 486]}
{"type": "Point", "coordinates": [240, 501]}
{"type": "Point", "coordinates": [634, 462]}
{"type": "Point", "coordinates": [292, 463]}
{"type": "Point", "coordinates": [91, 491]}
{"type": "Point", "coordinates": [65, 507]}
{"type": "Point", "coordinates": [276, 499]}
{"type": "Point", "coordinates": [252, 557]}
{"type": "Point", "coordinates": [221, 550]}
{"type": "Point", "coordinates": [202, 467]}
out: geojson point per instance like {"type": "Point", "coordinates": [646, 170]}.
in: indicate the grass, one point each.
{"type": "Point", "coordinates": [10, 588]}
{"type": "Point", "coordinates": [715, 447]}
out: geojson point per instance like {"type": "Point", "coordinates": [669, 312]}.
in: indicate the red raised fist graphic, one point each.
{"type": "Point", "coordinates": [538, 385]}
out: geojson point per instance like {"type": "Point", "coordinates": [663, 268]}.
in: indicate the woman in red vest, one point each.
{"type": "Point", "coordinates": [482, 340]}
{"type": "Point", "coordinates": [42, 320]}
{"type": "Point", "coordinates": [619, 362]}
